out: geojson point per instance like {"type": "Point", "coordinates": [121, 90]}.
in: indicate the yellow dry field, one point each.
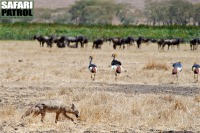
{"type": "Point", "coordinates": [144, 98]}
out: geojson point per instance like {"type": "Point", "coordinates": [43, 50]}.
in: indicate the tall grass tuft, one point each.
{"type": "Point", "coordinates": [156, 65]}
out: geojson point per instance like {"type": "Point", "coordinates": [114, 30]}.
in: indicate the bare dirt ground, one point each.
{"type": "Point", "coordinates": [140, 100]}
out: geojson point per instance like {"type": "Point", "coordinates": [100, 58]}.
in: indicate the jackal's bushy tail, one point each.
{"type": "Point", "coordinates": [34, 109]}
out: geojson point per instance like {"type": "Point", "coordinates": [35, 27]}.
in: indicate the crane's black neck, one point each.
{"type": "Point", "coordinates": [91, 61]}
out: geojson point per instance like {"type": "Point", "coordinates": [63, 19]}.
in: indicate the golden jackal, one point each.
{"type": "Point", "coordinates": [55, 106]}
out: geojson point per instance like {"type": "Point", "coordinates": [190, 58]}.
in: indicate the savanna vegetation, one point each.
{"type": "Point", "coordinates": [26, 31]}
{"type": "Point", "coordinates": [155, 12]}
{"type": "Point", "coordinates": [146, 97]}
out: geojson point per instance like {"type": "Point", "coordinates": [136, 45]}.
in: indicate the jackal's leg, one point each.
{"type": "Point", "coordinates": [57, 114]}
{"type": "Point", "coordinates": [68, 117]}
{"type": "Point", "coordinates": [42, 116]}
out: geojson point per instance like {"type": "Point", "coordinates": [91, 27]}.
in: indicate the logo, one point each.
{"type": "Point", "coordinates": [16, 9]}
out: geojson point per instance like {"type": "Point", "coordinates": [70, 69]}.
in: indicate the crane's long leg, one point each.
{"type": "Point", "coordinates": [94, 77]}
{"type": "Point", "coordinates": [115, 76]}
{"type": "Point", "coordinates": [177, 77]}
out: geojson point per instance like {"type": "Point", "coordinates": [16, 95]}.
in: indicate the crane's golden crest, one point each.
{"type": "Point", "coordinates": [114, 55]}
{"type": "Point", "coordinates": [91, 57]}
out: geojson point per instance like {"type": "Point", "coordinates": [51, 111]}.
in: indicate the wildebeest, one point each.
{"type": "Point", "coordinates": [82, 40]}
{"type": "Point", "coordinates": [77, 39]}
{"type": "Point", "coordinates": [153, 40]}
{"type": "Point", "coordinates": [116, 42]}
{"type": "Point", "coordinates": [172, 43]}
{"type": "Point", "coordinates": [146, 40]}
{"type": "Point", "coordinates": [160, 43]}
{"type": "Point", "coordinates": [194, 43]}
{"type": "Point", "coordinates": [139, 42]}
{"type": "Point", "coordinates": [60, 42]}
{"type": "Point", "coordinates": [129, 41]}
{"type": "Point", "coordinates": [97, 43]}
{"type": "Point", "coordinates": [44, 39]}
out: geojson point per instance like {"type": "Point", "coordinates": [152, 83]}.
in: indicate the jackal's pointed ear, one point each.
{"type": "Point", "coordinates": [73, 107]}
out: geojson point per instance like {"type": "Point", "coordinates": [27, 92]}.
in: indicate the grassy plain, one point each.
{"type": "Point", "coordinates": [30, 73]}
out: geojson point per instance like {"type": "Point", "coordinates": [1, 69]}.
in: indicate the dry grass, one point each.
{"type": "Point", "coordinates": [161, 112]}
{"type": "Point", "coordinates": [155, 65]}
{"type": "Point", "coordinates": [62, 74]}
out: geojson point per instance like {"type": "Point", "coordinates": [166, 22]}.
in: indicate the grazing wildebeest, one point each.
{"type": "Point", "coordinates": [68, 39]}
{"type": "Point", "coordinates": [129, 41]}
{"type": "Point", "coordinates": [194, 43]}
{"type": "Point", "coordinates": [97, 43]}
{"type": "Point", "coordinates": [145, 40]}
{"type": "Point", "coordinates": [82, 40]}
{"type": "Point", "coordinates": [44, 39]}
{"type": "Point", "coordinates": [59, 41]}
{"type": "Point", "coordinates": [116, 42]}
{"type": "Point", "coordinates": [166, 42]}
{"type": "Point", "coordinates": [153, 41]}
{"type": "Point", "coordinates": [77, 39]}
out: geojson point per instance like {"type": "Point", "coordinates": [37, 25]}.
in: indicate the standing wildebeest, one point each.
{"type": "Point", "coordinates": [82, 40]}
{"type": "Point", "coordinates": [173, 42]}
{"type": "Point", "coordinates": [139, 42]}
{"type": "Point", "coordinates": [44, 39]}
{"type": "Point", "coordinates": [194, 43]}
{"type": "Point", "coordinates": [40, 40]}
{"type": "Point", "coordinates": [160, 43]}
{"type": "Point", "coordinates": [77, 39]}
{"type": "Point", "coordinates": [129, 41]}
{"type": "Point", "coordinates": [97, 43]}
{"type": "Point", "coordinates": [116, 42]}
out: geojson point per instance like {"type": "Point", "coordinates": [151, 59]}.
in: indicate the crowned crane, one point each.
{"type": "Point", "coordinates": [196, 69]}
{"type": "Point", "coordinates": [92, 68]}
{"type": "Point", "coordinates": [177, 67]}
{"type": "Point", "coordinates": [116, 66]}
